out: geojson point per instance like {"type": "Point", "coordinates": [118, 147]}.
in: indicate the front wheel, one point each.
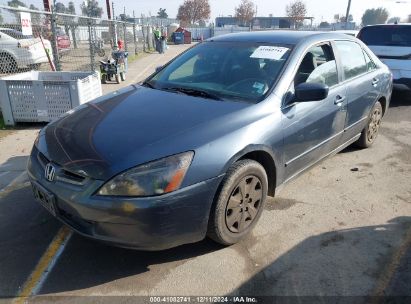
{"type": "Point", "coordinates": [370, 132]}
{"type": "Point", "coordinates": [239, 203]}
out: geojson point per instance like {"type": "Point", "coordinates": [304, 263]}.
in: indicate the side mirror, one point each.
{"type": "Point", "coordinates": [159, 68]}
{"type": "Point", "coordinates": [306, 92]}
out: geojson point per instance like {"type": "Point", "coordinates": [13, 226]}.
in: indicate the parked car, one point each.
{"type": "Point", "coordinates": [21, 51]}
{"type": "Point", "coordinates": [197, 147]}
{"type": "Point", "coordinates": [63, 41]}
{"type": "Point", "coordinates": [353, 33]}
{"type": "Point", "coordinates": [392, 44]}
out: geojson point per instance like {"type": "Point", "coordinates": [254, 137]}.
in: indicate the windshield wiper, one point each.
{"type": "Point", "coordinates": [192, 92]}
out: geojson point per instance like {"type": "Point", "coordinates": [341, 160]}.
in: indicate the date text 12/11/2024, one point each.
{"type": "Point", "coordinates": [203, 299]}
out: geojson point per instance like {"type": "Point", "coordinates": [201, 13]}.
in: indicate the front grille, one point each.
{"type": "Point", "coordinates": [70, 177]}
{"type": "Point", "coordinates": [62, 175]}
{"type": "Point", "coordinates": [42, 159]}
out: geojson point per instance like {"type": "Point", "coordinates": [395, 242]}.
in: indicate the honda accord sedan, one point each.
{"type": "Point", "coordinates": [195, 149]}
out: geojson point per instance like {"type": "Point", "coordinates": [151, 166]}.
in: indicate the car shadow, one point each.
{"type": "Point", "coordinates": [400, 98]}
{"type": "Point", "coordinates": [364, 261]}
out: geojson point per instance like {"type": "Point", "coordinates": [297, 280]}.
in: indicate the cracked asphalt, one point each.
{"type": "Point", "coordinates": [341, 229]}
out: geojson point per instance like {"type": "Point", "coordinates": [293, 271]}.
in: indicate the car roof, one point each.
{"type": "Point", "coordinates": [278, 36]}
{"type": "Point", "coordinates": [388, 25]}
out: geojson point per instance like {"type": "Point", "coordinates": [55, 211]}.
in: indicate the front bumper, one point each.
{"type": "Point", "coordinates": [149, 223]}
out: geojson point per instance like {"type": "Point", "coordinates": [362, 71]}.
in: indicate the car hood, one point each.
{"type": "Point", "coordinates": [130, 127]}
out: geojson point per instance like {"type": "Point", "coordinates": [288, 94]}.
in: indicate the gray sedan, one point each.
{"type": "Point", "coordinates": [196, 148]}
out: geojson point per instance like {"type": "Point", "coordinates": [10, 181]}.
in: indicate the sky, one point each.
{"type": "Point", "coordinates": [321, 10]}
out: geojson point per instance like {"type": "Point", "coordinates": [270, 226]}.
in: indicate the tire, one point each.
{"type": "Point", "coordinates": [370, 132]}
{"type": "Point", "coordinates": [123, 76]}
{"type": "Point", "coordinates": [7, 63]}
{"type": "Point", "coordinates": [230, 217]}
{"type": "Point", "coordinates": [117, 77]}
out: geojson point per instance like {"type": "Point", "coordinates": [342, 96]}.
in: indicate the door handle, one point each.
{"type": "Point", "coordinates": [339, 100]}
{"type": "Point", "coordinates": [375, 81]}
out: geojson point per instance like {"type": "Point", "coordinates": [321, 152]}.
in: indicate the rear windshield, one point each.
{"type": "Point", "coordinates": [392, 35]}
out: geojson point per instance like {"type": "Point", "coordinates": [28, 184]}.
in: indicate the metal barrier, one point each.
{"type": "Point", "coordinates": [37, 40]}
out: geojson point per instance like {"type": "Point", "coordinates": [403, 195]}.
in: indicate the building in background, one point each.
{"type": "Point", "coordinates": [258, 22]}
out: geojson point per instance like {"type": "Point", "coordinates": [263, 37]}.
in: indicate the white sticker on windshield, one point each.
{"type": "Point", "coordinates": [269, 52]}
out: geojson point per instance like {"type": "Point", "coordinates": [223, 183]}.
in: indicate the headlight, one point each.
{"type": "Point", "coordinates": [154, 178]}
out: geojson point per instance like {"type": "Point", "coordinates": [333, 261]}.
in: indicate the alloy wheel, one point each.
{"type": "Point", "coordinates": [244, 204]}
{"type": "Point", "coordinates": [374, 124]}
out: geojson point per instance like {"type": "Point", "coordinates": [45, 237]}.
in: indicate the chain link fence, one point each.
{"type": "Point", "coordinates": [37, 40]}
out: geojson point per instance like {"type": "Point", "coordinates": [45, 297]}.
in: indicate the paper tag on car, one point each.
{"type": "Point", "coordinates": [269, 52]}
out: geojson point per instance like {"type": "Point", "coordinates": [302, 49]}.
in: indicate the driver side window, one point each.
{"type": "Point", "coordinates": [318, 66]}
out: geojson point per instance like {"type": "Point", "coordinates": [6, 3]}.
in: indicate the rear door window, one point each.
{"type": "Point", "coordinates": [352, 59]}
{"type": "Point", "coordinates": [389, 35]}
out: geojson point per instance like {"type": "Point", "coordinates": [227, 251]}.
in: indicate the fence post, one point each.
{"type": "Point", "coordinates": [134, 34]}
{"type": "Point", "coordinates": [54, 45]}
{"type": "Point", "coordinates": [91, 43]}
{"type": "Point", "coordinates": [125, 36]}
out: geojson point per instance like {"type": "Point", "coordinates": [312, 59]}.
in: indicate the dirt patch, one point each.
{"type": "Point", "coordinates": [281, 203]}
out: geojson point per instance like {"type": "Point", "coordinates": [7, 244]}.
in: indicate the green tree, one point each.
{"type": "Point", "coordinates": [71, 9]}
{"type": "Point", "coordinates": [162, 13]}
{"type": "Point", "coordinates": [375, 16]}
{"type": "Point", "coordinates": [60, 8]}
{"type": "Point", "coordinates": [394, 20]}
{"type": "Point", "coordinates": [92, 9]}
{"type": "Point", "coordinates": [16, 3]}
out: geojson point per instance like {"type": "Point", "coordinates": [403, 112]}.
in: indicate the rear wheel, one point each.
{"type": "Point", "coordinates": [239, 203]}
{"type": "Point", "coordinates": [370, 132]}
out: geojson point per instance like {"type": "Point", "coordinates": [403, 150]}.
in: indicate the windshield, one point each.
{"type": "Point", "coordinates": [16, 34]}
{"type": "Point", "coordinates": [392, 35]}
{"type": "Point", "coordinates": [224, 70]}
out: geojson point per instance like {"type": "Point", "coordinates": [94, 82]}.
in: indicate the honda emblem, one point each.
{"type": "Point", "coordinates": [49, 172]}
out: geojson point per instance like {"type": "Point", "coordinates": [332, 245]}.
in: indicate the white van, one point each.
{"type": "Point", "coordinates": [392, 44]}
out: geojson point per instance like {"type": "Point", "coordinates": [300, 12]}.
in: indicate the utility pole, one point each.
{"type": "Point", "coordinates": [348, 14]}
{"type": "Point", "coordinates": [114, 34]}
